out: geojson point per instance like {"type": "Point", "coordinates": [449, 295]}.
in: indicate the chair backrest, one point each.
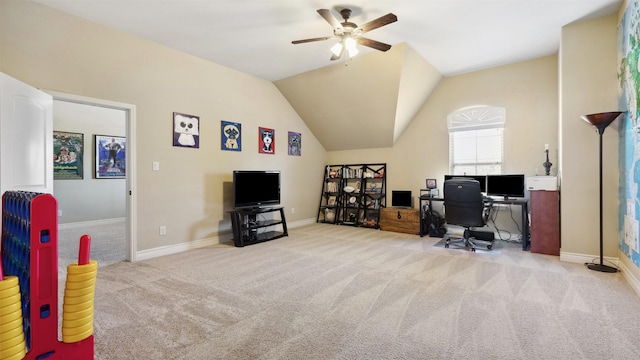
{"type": "Point", "coordinates": [463, 202]}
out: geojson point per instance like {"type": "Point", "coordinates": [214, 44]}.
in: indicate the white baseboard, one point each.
{"type": "Point", "coordinates": [633, 281]}
{"type": "Point", "coordinates": [80, 224]}
{"type": "Point", "coordinates": [584, 258]}
{"type": "Point", "coordinates": [177, 248]}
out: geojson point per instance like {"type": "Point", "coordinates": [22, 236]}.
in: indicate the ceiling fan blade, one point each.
{"type": "Point", "coordinates": [328, 16]}
{"type": "Point", "coordinates": [311, 40]}
{"type": "Point", "coordinates": [373, 44]}
{"type": "Point", "coordinates": [381, 21]}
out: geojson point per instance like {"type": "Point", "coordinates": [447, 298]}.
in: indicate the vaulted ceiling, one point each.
{"type": "Point", "coordinates": [376, 94]}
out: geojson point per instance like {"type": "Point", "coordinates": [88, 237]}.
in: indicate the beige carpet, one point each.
{"type": "Point", "coordinates": [337, 292]}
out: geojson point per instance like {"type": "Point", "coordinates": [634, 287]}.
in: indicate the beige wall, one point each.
{"type": "Point", "coordinates": [529, 92]}
{"type": "Point", "coordinates": [588, 68]}
{"type": "Point", "coordinates": [191, 193]}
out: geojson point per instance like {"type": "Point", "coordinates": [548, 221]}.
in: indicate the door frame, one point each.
{"type": "Point", "coordinates": [130, 158]}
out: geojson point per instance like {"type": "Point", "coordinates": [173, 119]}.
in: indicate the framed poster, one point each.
{"type": "Point", "coordinates": [231, 136]}
{"type": "Point", "coordinates": [110, 162]}
{"type": "Point", "coordinates": [295, 143]}
{"type": "Point", "coordinates": [186, 130]}
{"type": "Point", "coordinates": [67, 155]}
{"type": "Point", "coordinates": [266, 141]}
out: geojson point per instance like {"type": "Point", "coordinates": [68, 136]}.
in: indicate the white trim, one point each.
{"type": "Point", "coordinates": [178, 248]}
{"type": "Point", "coordinates": [82, 224]}
{"type": "Point", "coordinates": [215, 240]}
{"type": "Point", "coordinates": [585, 258]}
{"type": "Point", "coordinates": [476, 117]}
{"type": "Point", "coordinates": [633, 281]}
{"type": "Point", "coordinates": [299, 223]}
{"type": "Point", "coordinates": [132, 201]}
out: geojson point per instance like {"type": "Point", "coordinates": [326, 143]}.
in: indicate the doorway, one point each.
{"type": "Point", "coordinates": [109, 208]}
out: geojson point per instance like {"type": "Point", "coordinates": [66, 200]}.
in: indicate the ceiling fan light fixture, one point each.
{"type": "Point", "coordinates": [337, 49]}
{"type": "Point", "coordinates": [350, 45]}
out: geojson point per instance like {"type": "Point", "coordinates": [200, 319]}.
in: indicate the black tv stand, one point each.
{"type": "Point", "coordinates": [247, 229]}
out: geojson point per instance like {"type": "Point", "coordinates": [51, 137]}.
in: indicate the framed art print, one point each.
{"type": "Point", "coordinates": [295, 143]}
{"type": "Point", "coordinates": [432, 184]}
{"type": "Point", "coordinates": [110, 162]}
{"type": "Point", "coordinates": [67, 155]}
{"type": "Point", "coordinates": [186, 130]}
{"type": "Point", "coordinates": [231, 136]}
{"type": "Point", "coordinates": [266, 141]}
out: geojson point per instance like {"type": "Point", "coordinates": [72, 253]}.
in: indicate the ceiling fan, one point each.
{"type": "Point", "coordinates": [350, 34]}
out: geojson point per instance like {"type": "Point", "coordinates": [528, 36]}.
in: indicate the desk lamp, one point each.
{"type": "Point", "coordinates": [600, 121]}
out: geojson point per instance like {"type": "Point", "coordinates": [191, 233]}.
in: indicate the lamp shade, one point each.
{"type": "Point", "coordinates": [601, 120]}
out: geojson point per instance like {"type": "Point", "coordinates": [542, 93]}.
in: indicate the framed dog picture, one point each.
{"type": "Point", "coordinates": [186, 130]}
{"type": "Point", "coordinates": [266, 141]}
{"type": "Point", "coordinates": [432, 184]}
{"type": "Point", "coordinates": [231, 136]}
{"type": "Point", "coordinates": [67, 155]}
{"type": "Point", "coordinates": [295, 143]}
{"type": "Point", "coordinates": [110, 157]}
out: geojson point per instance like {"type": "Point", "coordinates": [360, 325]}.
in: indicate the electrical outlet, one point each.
{"type": "Point", "coordinates": [163, 230]}
{"type": "Point", "coordinates": [59, 213]}
{"type": "Point", "coordinates": [293, 210]}
{"type": "Point", "coordinates": [156, 165]}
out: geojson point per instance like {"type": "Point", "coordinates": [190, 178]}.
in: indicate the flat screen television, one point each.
{"type": "Point", "coordinates": [482, 179]}
{"type": "Point", "coordinates": [506, 185]}
{"type": "Point", "coordinates": [254, 189]}
{"type": "Point", "coordinates": [401, 198]}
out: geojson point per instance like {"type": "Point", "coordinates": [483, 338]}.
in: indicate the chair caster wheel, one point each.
{"type": "Point", "coordinates": [489, 247]}
{"type": "Point", "coordinates": [446, 246]}
{"type": "Point", "coordinates": [473, 249]}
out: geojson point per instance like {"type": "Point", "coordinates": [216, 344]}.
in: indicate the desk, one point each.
{"type": "Point", "coordinates": [524, 204]}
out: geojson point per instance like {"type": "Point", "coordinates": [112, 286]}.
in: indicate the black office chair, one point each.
{"type": "Point", "coordinates": [465, 206]}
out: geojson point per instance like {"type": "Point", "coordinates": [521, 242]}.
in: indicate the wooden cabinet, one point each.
{"type": "Point", "coordinates": [545, 222]}
{"type": "Point", "coordinates": [353, 194]}
{"type": "Point", "coordinates": [400, 220]}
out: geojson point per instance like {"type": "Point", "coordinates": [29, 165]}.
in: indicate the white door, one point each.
{"type": "Point", "coordinates": [26, 137]}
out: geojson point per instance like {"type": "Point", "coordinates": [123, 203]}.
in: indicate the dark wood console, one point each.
{"type": "Point", "coordinates": [250, 226]}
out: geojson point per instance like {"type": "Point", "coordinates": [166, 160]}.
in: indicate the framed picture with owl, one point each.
{"type": "Point", "coordinates": [186, 130]}
{"type": "Point", "coordinates": [295, 143]}
{"type": "Point", "coordinates": [231, 139]}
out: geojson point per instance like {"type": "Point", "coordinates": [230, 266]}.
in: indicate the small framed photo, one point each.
{"type": "Point", "coordinates": [331, 201]}
{"type": "Point", "coordinates": [186, 130]}
{"type": "Point", "coordinates": [432, 184]}
{"type": "Point", "coordinates": [110, 161]}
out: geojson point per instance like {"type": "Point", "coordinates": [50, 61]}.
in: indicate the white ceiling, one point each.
{"type": "Point", "coordinates": [254, 36]}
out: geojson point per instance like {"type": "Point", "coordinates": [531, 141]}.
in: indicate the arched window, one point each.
{"type": "Point", "coordinates": [475, 140]}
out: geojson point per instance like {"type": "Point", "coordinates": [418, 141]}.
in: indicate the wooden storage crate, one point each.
{"type": "Point", "coordinates": [400, 220]}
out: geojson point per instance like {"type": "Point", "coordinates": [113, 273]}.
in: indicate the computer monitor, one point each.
{"type": "Point", "coordinates": [482, 179]}
{"type": "Point", "coordinates": [506, 185]}
{"type": "Point", "coordinates": [401, 198]}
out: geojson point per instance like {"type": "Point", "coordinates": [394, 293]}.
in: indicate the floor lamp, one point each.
{"type": "Point", "coordinates": [600, 122]}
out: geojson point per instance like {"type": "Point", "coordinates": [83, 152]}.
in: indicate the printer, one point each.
{"type": "Point", "coordinates": [548, 183]}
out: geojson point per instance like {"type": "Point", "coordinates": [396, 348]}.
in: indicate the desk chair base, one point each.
{"type": "Point", "coordinates": [469, 241]}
